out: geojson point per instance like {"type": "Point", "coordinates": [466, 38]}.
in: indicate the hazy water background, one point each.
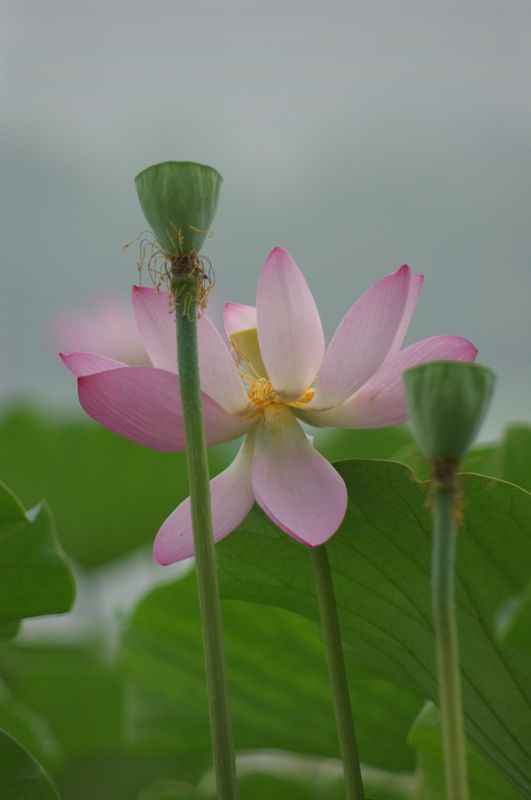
{"type": "Point", "coordinates": [358, 135]}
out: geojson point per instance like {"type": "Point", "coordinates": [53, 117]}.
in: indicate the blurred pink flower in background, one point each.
{"type": "Point", "coordinates": [105, 326]}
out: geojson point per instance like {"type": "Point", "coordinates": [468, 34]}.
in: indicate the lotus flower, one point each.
{"type": "Point", "coordinates": [275, 374]}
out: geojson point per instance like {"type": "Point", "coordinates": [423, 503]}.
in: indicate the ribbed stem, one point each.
{"type": "Point", "coordinates": [443, 558]}
{"type": "Point", "coordinates": [338, 676]}
{"type": "Point", "coordinates": [205, 555]}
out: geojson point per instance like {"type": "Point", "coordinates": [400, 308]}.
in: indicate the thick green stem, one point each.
{"type": "Point", "coordinates": [338, 676]}
{"type": "Point", "coordinates": [444, 534]}
{"type": "Point", "coordinates": [205, 554]}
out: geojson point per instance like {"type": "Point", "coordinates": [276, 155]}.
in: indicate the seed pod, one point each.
{"type": "Point", "coordinates": [447, 402]}
{"type": "Point", "coordinates": [179, 200]}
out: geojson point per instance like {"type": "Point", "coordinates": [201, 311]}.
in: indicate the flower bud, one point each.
{"type": "Point", "coordinates": [447, 402]}
{"type": "Point", "coordinates": [179, 200]}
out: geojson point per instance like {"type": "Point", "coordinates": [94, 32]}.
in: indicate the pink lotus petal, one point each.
{"type": "Point", "coordinates": [289, 327]}
{"type": "Point", "coordinates": [238, 317]}
{"type": "Point", "coordinates": [156, 324]}
{"type": "Point", "coordinates": [143, 404]}
{"type": "Point", "coordinates": [293, 483]}
{"type": "Point", "coordinates": [219, 376]}
{"type": "Point", "coordinates": [363, 339]}
{"type": "Point", "coordinates": [81, 364]}
{"type": "Point", "coordinates": [415, 286]}
{"type": "Point", "coordinates": [380, 402]}
{"type": "Point", "coordinates": [232, 498]}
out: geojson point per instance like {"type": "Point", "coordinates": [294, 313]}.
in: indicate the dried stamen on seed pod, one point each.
{"type": "Point", "coordinates": [163, 267]}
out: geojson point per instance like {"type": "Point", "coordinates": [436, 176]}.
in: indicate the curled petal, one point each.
{"type": "Point", "coordinates": [231, 497]}
{"type": "Point", "coordinates": [156, 322]}
{"type": "Point", "coordinates": [295, 486]}
{"type": "Point", "coordinates": [363, 339]}
{"type": "Point", "coordinates": [238, 317]}
{"type": "Point", "coordinates": [381, 402]}
{"type": "Point", "coordinates": [289, 327]}
{"type": "Point", "coordinates": [81, 364]}
{"type": "Point", "coordinates": [143, 404]}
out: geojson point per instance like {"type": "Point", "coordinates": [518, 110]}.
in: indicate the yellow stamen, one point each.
{"type": "Point", "coordinates": [261, 393]}
{"type": "Point", "coordinates": [304, 398]}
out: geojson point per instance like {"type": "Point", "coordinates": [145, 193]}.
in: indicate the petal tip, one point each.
{"type": "Point", "coordinates": [417, 282]}
{"type": "Point", "coordinates": [469, 353]}
{"type": "Point", "coordinates": [279, 251]}
{"type": "Point", "coordinates": [66, 358]}
{"type": "Point", "coordinates": [315, 541]}
{"type": "Point", "coordinates": [403, 270]}
{"type": "Point", "coordinates": [138, 291]}
{"type": "Point", "coordinates": [278, 257]}
{"type": "Point", "coordinates": [159, 556]}
{"type": "Point", "coordinates": [69, 360]}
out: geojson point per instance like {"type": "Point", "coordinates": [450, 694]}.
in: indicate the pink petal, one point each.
{"type": "Point", "coordinates": [415, 285]}
{"type": "Point", "coordinates": [219, 376]}
{"type": "Point", "coordinates": [143, 404]}
{"type": "Point", "coordinates": [380, 402]}
{"type": "Point", "coordinates": [87, 363]}
{"type": "Point", "coordinates": [293, 483]}
{"type": "Point", "coordinates": [238, 317]}
{"type": "Point", "coordinates": [289, 327]}
{"type": "Point", "coordinates": [232, 498]}
{"type": "Point", "coordinates": [363, 339]}
{"type": "Point", "coordinates": [156, 324]}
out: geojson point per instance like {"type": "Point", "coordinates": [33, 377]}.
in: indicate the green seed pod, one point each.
{"type": "Point", "coordinates": [179, 200]}
{"type": "Point", "coordinates": [447, 402]}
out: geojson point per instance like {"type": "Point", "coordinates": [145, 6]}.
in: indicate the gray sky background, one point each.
{"type": "Point", "coordinates": [358, 135]}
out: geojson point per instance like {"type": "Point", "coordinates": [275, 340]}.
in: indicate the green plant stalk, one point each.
{"type": "Point", "coordinates": [338, 677]}
{"type": "Point", "coordinates": [444, 617]}
{"type": "Point", "coordinates": [205, 555]}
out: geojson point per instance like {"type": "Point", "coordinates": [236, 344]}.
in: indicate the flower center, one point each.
{"type": "Point", "coordinates": [260, 390]}
{"type": "Point", "coordinates": [261, 394]}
